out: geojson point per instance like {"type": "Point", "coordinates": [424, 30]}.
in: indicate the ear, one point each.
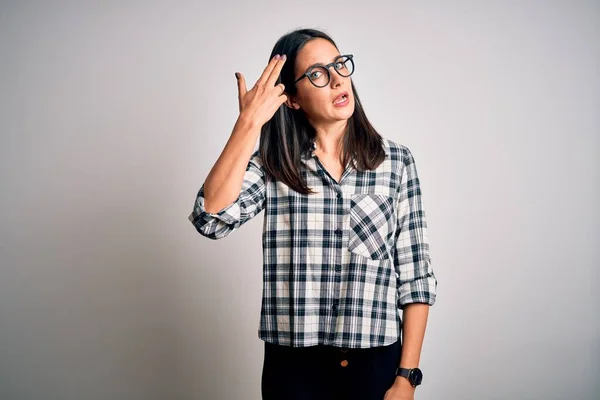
{"type": "Point", "coordinates": [291, 103]}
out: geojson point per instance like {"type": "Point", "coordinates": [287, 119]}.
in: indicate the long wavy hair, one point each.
{"type": "Point", "coordinates": [288, 134]}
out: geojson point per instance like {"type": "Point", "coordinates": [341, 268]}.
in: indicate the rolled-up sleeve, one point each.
{"type": "Point", "coordinates": [416, 280]}
{"type": "Point", "coordinates": [248, 204]}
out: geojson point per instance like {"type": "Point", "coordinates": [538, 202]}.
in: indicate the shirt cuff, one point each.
{"type": "Point", "coordinates": [420, 290]}
{"type": "Point", "coordinates": [229, 214]}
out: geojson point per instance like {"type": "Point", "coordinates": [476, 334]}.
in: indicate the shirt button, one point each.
{"type": "Point", "coordinates": [339, 195]}
{"type": "Point", "coordinates": [338, 231]}
{"type": "Point", "coordinates": [338, 268]}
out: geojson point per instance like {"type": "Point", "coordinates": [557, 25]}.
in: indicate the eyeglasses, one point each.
{"type": "Point", "coordinates": [319, 74]}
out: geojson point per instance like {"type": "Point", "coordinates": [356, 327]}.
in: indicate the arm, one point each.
{"type": "Point", "coordinates": [413, 331]}
{"type": "Point", "coordinates": [416, 280]}
{"type": "Point", "coordinates": [417, 283]}
{"type": "Point", "coordinates": [224, 181]}
{"type": "Point", "coordinates": [234, 191]}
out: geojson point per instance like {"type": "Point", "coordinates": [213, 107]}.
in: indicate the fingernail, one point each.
{"type": "Point", "coordinates": [236, 75]}
{"type": "Point", "coordinates": [283, 57]}
{"type": "Point", "coordinates": [276, 56]}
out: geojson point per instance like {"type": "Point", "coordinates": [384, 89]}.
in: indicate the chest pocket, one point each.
{"type": "Point", "coordinates": [371, 224]}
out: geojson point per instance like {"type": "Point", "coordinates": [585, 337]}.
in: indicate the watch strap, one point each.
{"type": "Point", "coordinates": [405, 372]}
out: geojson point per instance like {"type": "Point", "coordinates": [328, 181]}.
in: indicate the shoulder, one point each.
{"type": "Point", "coordinates": [397, 151]}
{"type": "Point", "coordinates": [256, 159]}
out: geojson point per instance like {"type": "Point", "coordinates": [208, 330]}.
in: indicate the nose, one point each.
{"type": "Point", "coordinates": [335, 78]}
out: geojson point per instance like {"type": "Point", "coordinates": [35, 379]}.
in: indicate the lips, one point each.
{"type": "Point", "coordinates": [341, 97]}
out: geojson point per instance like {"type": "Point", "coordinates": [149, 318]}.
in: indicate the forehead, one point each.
{"type": "Point", "coordinates": [316, 51]}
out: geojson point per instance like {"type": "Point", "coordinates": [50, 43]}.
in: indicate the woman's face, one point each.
{"type": "Point", "coordinates": [318, 102]}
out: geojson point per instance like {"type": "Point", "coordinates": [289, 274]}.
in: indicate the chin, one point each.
{"type": "Point", "coordinates": [346, 112]}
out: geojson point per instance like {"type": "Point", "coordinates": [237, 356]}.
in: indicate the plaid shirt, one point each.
{"type": "Point", "coordinates": [338, 265]}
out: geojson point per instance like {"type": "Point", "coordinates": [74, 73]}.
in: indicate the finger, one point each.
{"type": "Point", "coordinates": [275, 73]}
{"type": "Point", "coordinates": [242, 90]}
{"type": "Point", "coordinates": [279, 89]}
{"type": "Point", "coordinates": [267, 72]}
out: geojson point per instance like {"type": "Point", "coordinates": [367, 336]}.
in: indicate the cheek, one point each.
{"type": "Point", "coordinates": [315, 101]}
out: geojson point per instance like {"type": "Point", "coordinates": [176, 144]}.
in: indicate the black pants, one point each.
{"type": "Point", "coordinates": [328, 372]}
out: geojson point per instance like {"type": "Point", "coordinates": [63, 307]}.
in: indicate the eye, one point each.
{"type": "Point", "coordinates": [315, 74]}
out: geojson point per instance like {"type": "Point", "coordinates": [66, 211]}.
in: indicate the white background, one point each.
{"type": "Point", "coordinates": [113, 113]}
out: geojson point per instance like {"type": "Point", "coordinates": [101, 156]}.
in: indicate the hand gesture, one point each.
{"type": "Point", "coordinates": [261, 102]}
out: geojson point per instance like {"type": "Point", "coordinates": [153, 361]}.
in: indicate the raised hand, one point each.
{"type": "Point", "coordinates": [260, 103]}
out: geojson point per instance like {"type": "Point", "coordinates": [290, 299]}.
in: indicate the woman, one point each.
{"type": "Point", "coordinates": [345, 238]}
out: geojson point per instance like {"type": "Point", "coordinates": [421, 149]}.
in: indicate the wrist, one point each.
{"type": "Point", "coordinates": [247, 122]}
{"type": "Point", "coordinates": [403, 382]}
{"type": "Point", "coordinates": [412, 376]}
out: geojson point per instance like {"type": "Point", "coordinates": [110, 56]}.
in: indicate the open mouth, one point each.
{"type": "Point", "coordinates": [342, 98]}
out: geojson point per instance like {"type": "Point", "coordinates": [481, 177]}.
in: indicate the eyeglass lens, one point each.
{"type": "Point", "coordinates": [319, 76]}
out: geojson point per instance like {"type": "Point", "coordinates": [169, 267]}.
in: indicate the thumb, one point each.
{"type": "Point", "coordinates": [241, 81]}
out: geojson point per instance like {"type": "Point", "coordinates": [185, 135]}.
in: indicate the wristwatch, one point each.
{"type": "Point", "coordinates": [414, 375]}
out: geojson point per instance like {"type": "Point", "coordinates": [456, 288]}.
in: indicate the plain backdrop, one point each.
{"type": "Point", "coordinates": [112, 114]}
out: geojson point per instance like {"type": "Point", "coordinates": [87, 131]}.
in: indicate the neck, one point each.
{"type": "Point", "coordinates": [329, 137]}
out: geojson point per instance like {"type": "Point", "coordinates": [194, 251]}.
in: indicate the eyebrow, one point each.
{"type": "Point", "coordinates": [315, 64]}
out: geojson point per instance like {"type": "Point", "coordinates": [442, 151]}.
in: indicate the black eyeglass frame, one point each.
{"type": "Point", "coordinates": [307, 73]}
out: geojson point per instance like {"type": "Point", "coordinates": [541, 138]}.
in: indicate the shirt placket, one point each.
{"type": "Point", "coordinates": [337, 198]}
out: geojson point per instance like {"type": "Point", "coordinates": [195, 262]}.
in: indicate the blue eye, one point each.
{"type": "Point", "coordinates": [312, 75]}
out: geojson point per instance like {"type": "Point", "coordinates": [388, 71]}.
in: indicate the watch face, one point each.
{"type": "Point", "coordinates": [416, 376]}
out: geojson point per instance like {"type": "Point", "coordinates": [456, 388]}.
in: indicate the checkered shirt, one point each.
{"type": "Point", "coordinates": [338, 265]}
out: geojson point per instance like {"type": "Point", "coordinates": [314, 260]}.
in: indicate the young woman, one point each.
{"type": "Point", "coordinates": [345, 237]}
